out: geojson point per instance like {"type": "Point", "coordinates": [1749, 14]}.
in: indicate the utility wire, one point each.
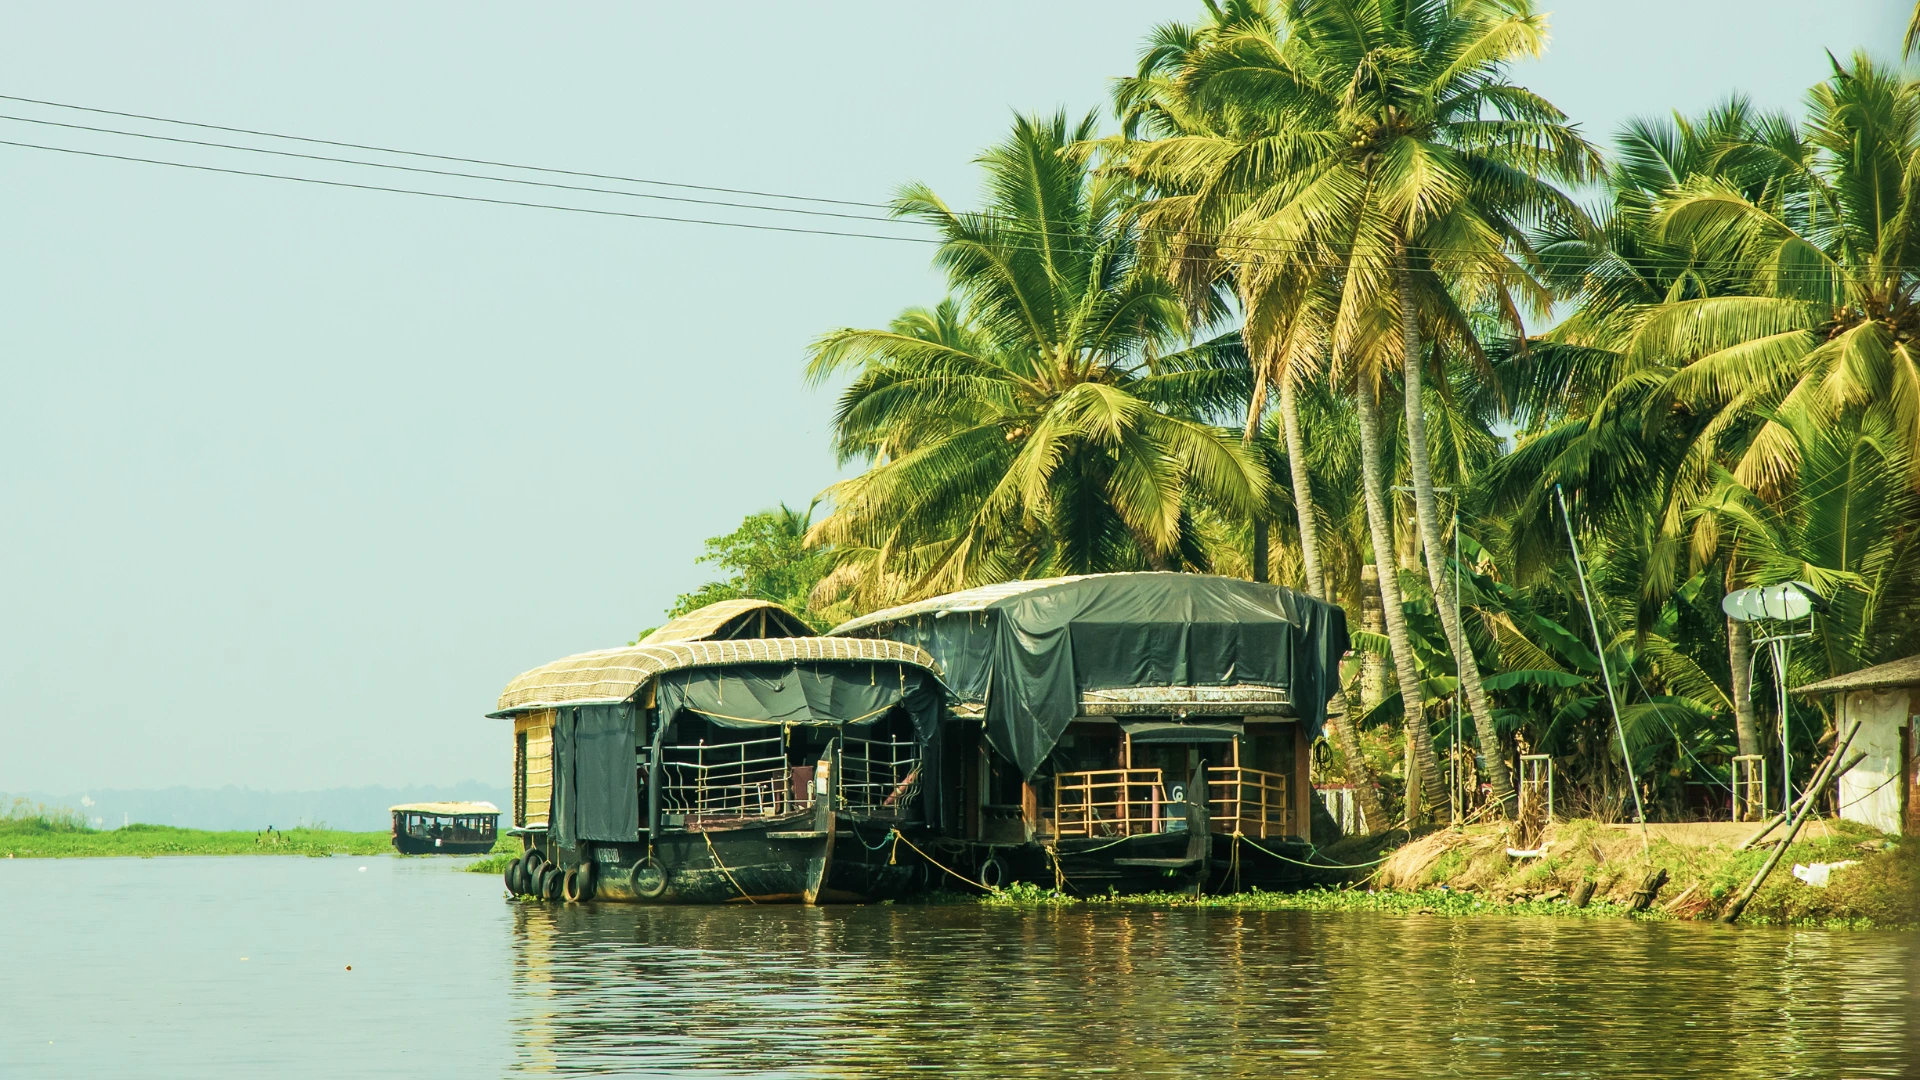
{"type": "Point", "coordinates": [436, 157]}
{"type": "Point", "coordinates": [471, 198]}
{"type": "Point", "coordinates": [456, 174]}
{"type": "Point", "coordinates": [1321, 255]}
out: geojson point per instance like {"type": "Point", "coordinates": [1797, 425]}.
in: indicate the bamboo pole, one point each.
{"type": "Point", "coordinates": [1818, 780]}
{"type": "Point", "coordinates": [1746, 896]}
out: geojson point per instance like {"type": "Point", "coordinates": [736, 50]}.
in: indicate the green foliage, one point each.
{"type": "Point", "coordinates": [24, 818]}
{"type": "Point", "coordinates": [1351, 203]}
{"type": "Point", "coordinates": [767, 558]}
{"type": "Point", "coordinates": [1050, 417]}
{"type": "Point", "coordinates": [33, 840]}
{"type": "Point", "coordinates": [505, 850]}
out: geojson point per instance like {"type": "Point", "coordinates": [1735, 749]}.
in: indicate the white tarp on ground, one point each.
{"type": "Point", "coordinates": [1870, 792]}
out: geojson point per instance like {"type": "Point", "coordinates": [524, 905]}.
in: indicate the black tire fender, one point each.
{"type": "Point", "coordinates": [993, 872]}
{"type": "Point", "coordinates": [526, 880]}
{"type": "Point", "coordinates": [648, 878]}
{"type": "Point", "coordinates": [551, 879]}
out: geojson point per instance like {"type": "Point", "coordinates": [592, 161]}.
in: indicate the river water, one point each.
{"type": "Point", "coordinates": [292, 967]}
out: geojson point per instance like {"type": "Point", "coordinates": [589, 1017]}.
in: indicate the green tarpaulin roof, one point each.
{"type": "Point", "coordinates": [1030, 651]}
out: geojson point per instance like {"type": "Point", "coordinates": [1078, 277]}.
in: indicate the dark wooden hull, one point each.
{"type": "Point", "coordinates": [414, 845]}
{"type": "Point", "coordinates": [871, 863]}
{"type": "Point", "coordinates": [801, 858]}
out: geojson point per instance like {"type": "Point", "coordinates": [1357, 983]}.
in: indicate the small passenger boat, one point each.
{"type": "Point", "coordinates": [706, 765]}
{"type": "Point", "coordinates": [1135, 732]}
{"type": "Point", "coordinates": [445, 828]}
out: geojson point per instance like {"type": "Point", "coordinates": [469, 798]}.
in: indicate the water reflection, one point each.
{"type": "Point", "coordinates": [882, 991]}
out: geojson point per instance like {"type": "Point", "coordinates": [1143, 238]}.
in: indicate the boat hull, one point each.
{"type": "Point", "coordinates": [414, 845]}
{"type": "Point", "coordinates": [803, 858]}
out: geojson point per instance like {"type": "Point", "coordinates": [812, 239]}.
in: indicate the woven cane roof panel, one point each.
{"type": "Point", "coordinates": [614, 674]}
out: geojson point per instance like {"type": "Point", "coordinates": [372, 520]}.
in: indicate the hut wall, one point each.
{"type": "Point", "coordinates": [1868, 793]}
{"type": "Point", "coordinates": [533, 787]}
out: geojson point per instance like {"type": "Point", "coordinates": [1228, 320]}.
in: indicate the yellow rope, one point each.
{"type": "Point", "coordinates": [1059, 875]}
{"type": "Point", "coordinates": [935, 862]}
{"type": "Point", "coordinates": [724, 870]}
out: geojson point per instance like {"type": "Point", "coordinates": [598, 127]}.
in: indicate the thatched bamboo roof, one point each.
{"type": "Point", "coordinates": [731, 619]}
{"type": "Point", "coordinates": [1888, 676]}
{"type": "Point", "coordinates": [445, 808]}
{"type": "Point", "coordinates": [611, 675]}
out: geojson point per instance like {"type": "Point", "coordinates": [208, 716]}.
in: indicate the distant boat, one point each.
{"type": "Point", "coordinates": [445, 828]}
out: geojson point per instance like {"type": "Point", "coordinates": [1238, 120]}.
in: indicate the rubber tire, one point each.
{"type": "Point", "coordinates": [993, 868]}
{"type": "Point", "coordinates": [570, 885]}
{"type": "Point", "coordinates": [648, 879]}
{"type": "Point", "coordinates": [515, 886]}
{"type": "Point", "coordinates": [588, 882]}
{"type": "Point", "coordinates": [551, 879]}
{"type": "Point", "coordinates": [526, 871]}
{"type": "Point", "coordinates": [533, 858]}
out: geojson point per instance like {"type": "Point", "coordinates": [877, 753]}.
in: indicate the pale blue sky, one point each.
{"type": "Point", "coordinates": [296, 478]}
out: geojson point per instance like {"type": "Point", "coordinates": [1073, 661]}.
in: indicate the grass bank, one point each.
{"type": "Point", "coordinates": [1469, 872]}
{"type": "Point", "coordinates": [32, 831]}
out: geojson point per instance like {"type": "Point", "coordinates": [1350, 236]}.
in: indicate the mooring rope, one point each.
{"type": "Point", "coordinates": [1314, 851]}
{"type": "Point", "coordinates": [723, 868]}
{"type": "Point", "coordinates": [931, 859]}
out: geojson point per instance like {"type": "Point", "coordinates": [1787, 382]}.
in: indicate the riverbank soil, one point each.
{"type": "Point", "coordinates": [1704, 871]}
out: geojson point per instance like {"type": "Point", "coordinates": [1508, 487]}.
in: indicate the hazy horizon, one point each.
{"type": "Point", "coordinates": [301, 476]}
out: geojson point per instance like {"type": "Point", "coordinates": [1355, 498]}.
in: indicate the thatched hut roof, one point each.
{"type": "Point", "coordinates": [614, 674]}
{"type": "Point", "coordinates": [445, 808]}
{"type": "Point", "coordinates": [731, 619]}
{"type": "Point", "coordinates": [1886, 676]}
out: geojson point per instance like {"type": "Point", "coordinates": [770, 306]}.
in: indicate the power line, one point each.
{"type": "Point", "coordinates": [437, 157]}
{"type": "Point", "coordinates": [452, 173]}
{"type": "Point", "coordinates": [470, 198]}
{"type": "Point", "coordinates": [1316, 254]}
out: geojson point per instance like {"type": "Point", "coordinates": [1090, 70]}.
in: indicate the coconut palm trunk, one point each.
{"type": "Point", "coordinates": [1339, 724]}
{"type": "Point", "coordinates": [1430, 784]}
{"type": "Point", "coordinates": [1427, 511]}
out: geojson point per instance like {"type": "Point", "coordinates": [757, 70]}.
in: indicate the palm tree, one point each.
{"type": "Point", "coordinates": [1395, 152]}
{"type": "Point", "coordinates": [1829, 297]}
{"type": "Point", "coordinates": [1591, 413]}
{"type": "Point", "coordinates": [1284, 335]}
{"type": "Point", "coordinates": [1055, 420]}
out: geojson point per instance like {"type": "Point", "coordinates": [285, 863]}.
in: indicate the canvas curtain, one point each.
{"type": "Point", "coordinates": [596, 793]}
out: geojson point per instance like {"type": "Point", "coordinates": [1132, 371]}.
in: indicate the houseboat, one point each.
{"type": "Point", "coordinates": [445, 828]}
{"type": "Point", "coordinates": [1136, 732]}
{"type": "Point", "coordinates": [708, 765]}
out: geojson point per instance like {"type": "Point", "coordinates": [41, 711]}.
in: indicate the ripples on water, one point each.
{"type": "Point", "coordinates": [114, 967]}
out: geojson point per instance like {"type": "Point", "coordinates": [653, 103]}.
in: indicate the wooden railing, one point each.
{"type": "Point", "coordinates": [1248, 802]}
{"type": "Point", "coordinates": [1108, 802]}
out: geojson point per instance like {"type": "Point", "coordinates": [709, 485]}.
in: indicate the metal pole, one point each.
{"type": "Point", "coordinates": [1778, 648]}
{"type": "Point", "coordinates": [1600, 649]}
{"type": "Point", "coordinates": [1459, 789]}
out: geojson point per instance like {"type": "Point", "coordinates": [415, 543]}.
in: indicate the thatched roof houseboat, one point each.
{"type": "Point", "coordinates": [715, 770]}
